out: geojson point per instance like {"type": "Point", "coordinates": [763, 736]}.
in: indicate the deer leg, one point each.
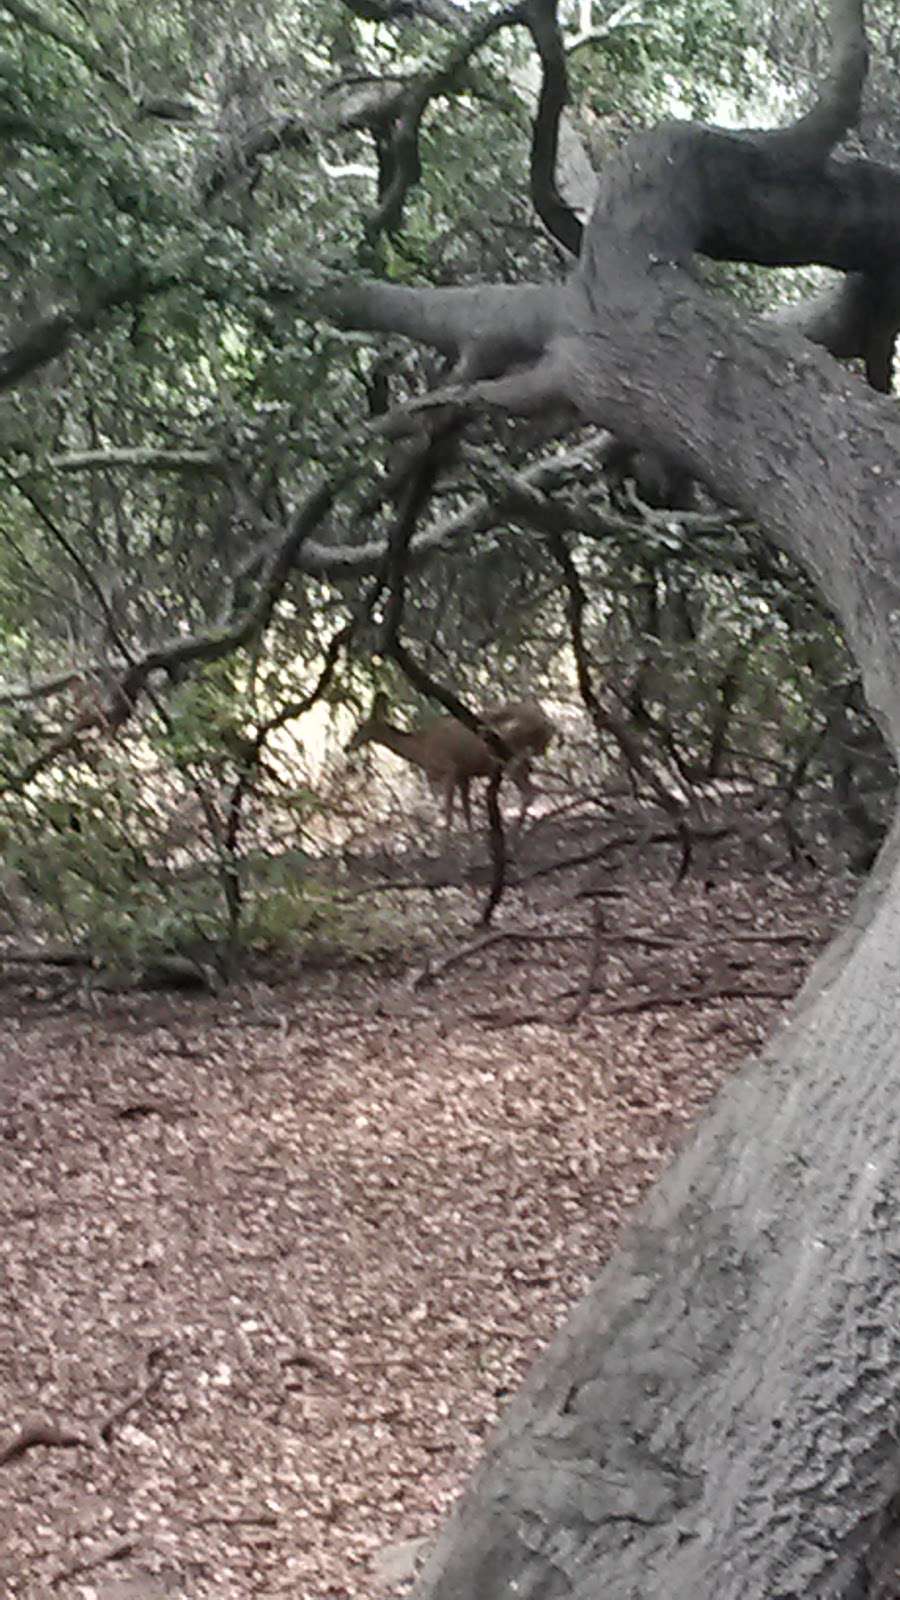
{"type": "Point", "coordinates": [449, 784]}
{"type": "Point", "coordinates": [464, 785]}
{"type": "Point", "coordinates": [519, 770]}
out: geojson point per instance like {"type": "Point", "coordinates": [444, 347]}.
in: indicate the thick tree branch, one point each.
{"type": "Point", "coordinates": [658, 338]}
{"type": "Point", "coordinates": [859, 318]}
{"type": "Point", "coordinates": [743, 206]}
{"type": "Point", "coordinates": [838, 104]}
{"type": "Point", "coordinates": [847, 216]}
{"type": "Point", "coordinates": [494, 327]}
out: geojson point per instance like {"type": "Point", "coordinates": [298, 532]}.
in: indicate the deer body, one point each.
{"type": "Point", "coordinates": [451, 755]}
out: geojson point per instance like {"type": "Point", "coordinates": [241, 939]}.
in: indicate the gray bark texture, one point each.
{"type": "Point", "coordinates": [719, 1418]}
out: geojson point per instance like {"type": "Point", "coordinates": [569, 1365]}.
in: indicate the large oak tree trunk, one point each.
{"type": "Point", "coordinates": [718, 1419]}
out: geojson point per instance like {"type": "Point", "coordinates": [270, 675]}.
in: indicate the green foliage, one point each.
{"type": "Point", "coordinates": [290, 910]}
{"type": "Point", "coordinates": [687, 57]}
{"type": "Point", "coordinates": [101, 864]}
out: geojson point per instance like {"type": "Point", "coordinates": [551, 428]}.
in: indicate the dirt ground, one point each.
{"type": "Point", "coordinates": [271, 1260]}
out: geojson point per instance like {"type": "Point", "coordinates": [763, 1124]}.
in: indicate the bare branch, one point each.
{"type": "Point", "coordinates": [111, 1550]}
{"type": "Point", "coordinates": [623, 18]}
{"type": "Point", "coordinates": [510, 494]}
{"type": "Point", "coordinates": [160, 460]}
{"type": "Point", "coordinates": [542, 23]}
{"type": "Point", "coordinates": [860, 317]}
{"type": "Point", "coordinates": [606, 721]}
{"type": "Point", "coordinates": [37, 1431]}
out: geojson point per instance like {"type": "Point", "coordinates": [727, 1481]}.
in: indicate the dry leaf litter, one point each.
{"type": "Point", "coordinates": [271, 1261]}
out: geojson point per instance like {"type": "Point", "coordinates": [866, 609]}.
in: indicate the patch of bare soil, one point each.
{"type": "Point", "coordinates": [271, 1261]}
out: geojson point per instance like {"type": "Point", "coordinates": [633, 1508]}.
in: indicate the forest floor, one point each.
{"type": "Point", "coordinates": [271, 1260]}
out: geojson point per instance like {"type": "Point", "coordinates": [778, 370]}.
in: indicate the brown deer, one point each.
{"type": "Point", "coordinates": [451, 755]}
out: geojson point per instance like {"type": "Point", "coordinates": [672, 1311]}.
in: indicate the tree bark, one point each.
{"type": "Point", "coordinates": [718, 1418]}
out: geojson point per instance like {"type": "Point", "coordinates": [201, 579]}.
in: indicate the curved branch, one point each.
{"type": "Point", "coordinates": [403, 140]}
{"type": "Point", "coordinates": [543, 25]}
{"type": "Point", "coordinates": [484, 513]}
{"type": "Point", "coordinates": [251, 757]}
{"type": "Point", "coordinates": [287, 133]}
{"type": "Point", "coordinates": [351, 104]}
{"type": "Point", "coordinates": [319, 560]}
{"type": "Point", "coordinates": [635, 363]}
{"type": "Point", "coordinates": [211, 644]}
{"type": "Point", "coordinates": [837, 106]}
{"type": "Point", "coordinates": [742, 203]}
{"type": "Point", "coordinates": [604, 720]}
{"type": "Point", "coordinates": [623, 18]}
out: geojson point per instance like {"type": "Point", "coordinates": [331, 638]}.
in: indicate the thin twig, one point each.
{"type": "Point", "coordinates": [599, 950]}
{"type": "Point", "coordinates": [659, 1002]}
{"type": "Point", "coordinates": [40, 1432]}
{"type": "Point", "coordinates": [113, 1551]}
{"type": "Point", "coordinates": [153, 1378]}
